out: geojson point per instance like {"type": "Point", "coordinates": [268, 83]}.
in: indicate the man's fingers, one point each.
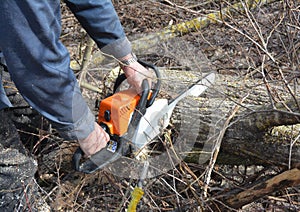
{"type": "Point", "coordinates": [135, 74]}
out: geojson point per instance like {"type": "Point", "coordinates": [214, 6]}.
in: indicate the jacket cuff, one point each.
{"type": "Point", "coordinates": [81, 129]}
{"type": "Point", "coordinates": [118, 48]}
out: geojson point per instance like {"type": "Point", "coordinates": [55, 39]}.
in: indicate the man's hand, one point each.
{"type": "Point", "coordinates": [135, 72]}
{"type": "Point", "coordinates": [96, 141]}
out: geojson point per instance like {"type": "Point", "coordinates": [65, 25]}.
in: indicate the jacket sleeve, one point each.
{"type": "Point", "coordinates": [100, 20]}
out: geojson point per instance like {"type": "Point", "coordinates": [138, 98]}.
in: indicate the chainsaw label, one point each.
{"type": "Point", "coordinates": [112, 146]}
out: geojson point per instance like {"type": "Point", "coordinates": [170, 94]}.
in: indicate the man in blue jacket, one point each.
{"type": "Point", "coordinates": [38, 62]}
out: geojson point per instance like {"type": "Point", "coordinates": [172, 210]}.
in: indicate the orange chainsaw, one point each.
{"type": "Point", "coordinates": [133, 120]}
{"type": "Point", "coordinates": [119, 115]}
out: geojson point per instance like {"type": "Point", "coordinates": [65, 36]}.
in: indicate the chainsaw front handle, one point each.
{"type": "Point", "coordinates": [156, 88]}
{"type": "Point", "coordinates": [140, 109]}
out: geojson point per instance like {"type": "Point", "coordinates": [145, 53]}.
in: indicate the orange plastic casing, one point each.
{"type": "Point", "coordinates": [115, 111]}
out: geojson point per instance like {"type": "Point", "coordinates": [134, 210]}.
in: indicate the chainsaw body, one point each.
{"type": "Point", "coordinates": [115, 114]}
{"type": "Point", "coordinates": [119, 115]}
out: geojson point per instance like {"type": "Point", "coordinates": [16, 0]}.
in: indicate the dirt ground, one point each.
{"type": "Point", "coordinates": [231, 49]}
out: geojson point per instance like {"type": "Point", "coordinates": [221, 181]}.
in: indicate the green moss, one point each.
{"type": "Point", "coordinates": [283, 134]}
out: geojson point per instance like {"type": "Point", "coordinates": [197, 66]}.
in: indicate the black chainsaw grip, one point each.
{"type": "Point", "coordinates": [144, 97]}
{"type": "Point", "coordinates": [76, 158]}
{"type": "Point", "coordinates": [79, 153]}
{"type": "Point", "coordinates": [156, 88]}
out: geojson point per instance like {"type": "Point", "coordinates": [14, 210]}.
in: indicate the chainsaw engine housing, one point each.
{"type": "Point", "coordinates": [115, 111]}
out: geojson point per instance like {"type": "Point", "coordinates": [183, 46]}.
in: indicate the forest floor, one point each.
{"type": "Point", "coordinates": [236, 48]}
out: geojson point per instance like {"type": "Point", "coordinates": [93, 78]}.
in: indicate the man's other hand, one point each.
{"type": "Point", "coordinates": [136, 73]}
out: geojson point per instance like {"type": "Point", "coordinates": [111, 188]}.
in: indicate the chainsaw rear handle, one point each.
{"type": "Point", "coordinates": [156, 88]}
{"type": "Point", "coordinates": [88, 166]}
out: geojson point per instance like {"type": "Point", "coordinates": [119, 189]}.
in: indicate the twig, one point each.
{"type": "Point", "coordinates": [290, 150]}
{"type": "Point", "coordinates": [267, 83]}
{"type": "Point", "coordinates": [218, 145]}
{"type": "Point", "coordinates": [196, 179]}
{"type": "Point", "coordinates": [181, 7]}
{"type": "Point", "coordinates": [125, 196]}
{"type": "Point", "coordinates": [173, 189]}
{"type": "Point", "coordinates": [26, 195]}
{"type": "Point", "coordinates": [152, 200]}
{"type": "Point", "coordinates": [90, 87]}
{"type": "Point", "coordinates": [78, 193]}
{"type": "Point", "coordinates": [86, 59]}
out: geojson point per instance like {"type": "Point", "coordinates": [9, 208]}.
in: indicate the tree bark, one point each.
{"type": "Point", "coordinates": [247, 141]}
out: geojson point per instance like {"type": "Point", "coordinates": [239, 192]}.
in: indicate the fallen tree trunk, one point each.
{"type": "Point", "coordinates": [253, 135]}
{"type": "Point", "coordinates": [248, 142]}
{"type": "Point", "coordinates": [260, 134]}
{"type": "Point", "coordinates": [247, 137]}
